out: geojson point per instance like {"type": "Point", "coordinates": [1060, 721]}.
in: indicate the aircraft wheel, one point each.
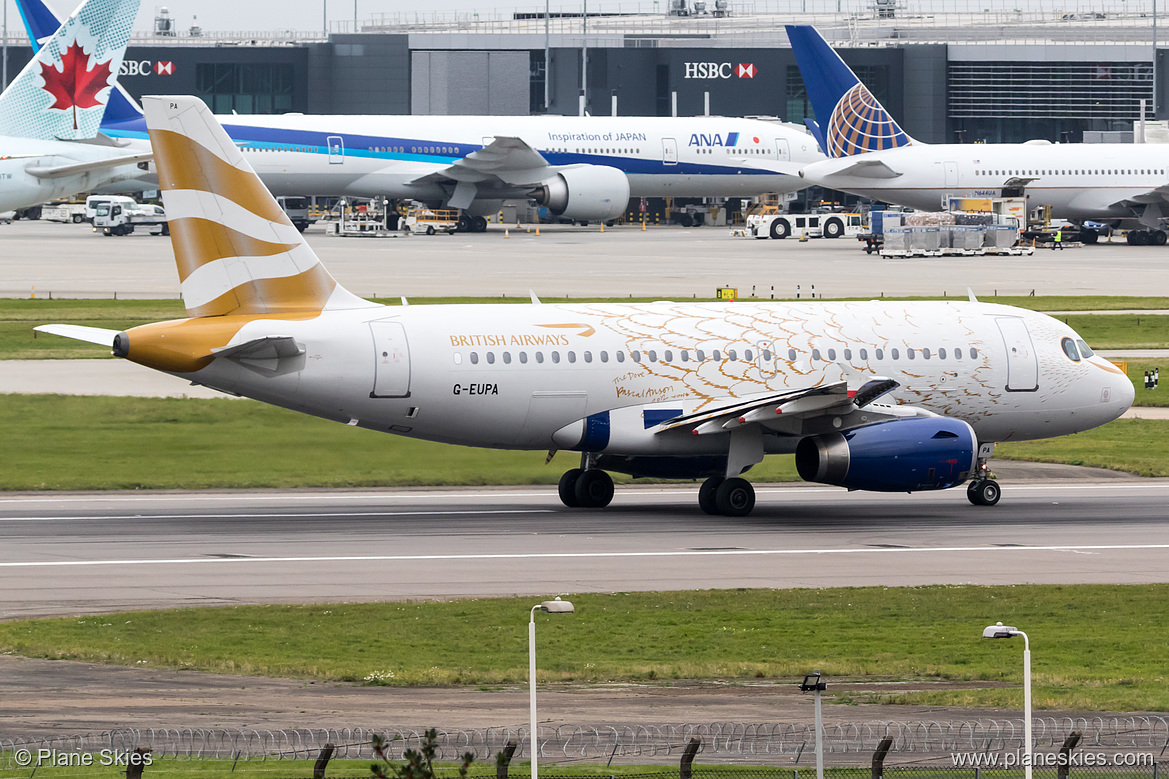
{"type": "Point", "coordinates": [567, 488]}
{"type": "Point", "coordinates": [594, 489]}
{"type": "Point", "coordinates": [707, 500]}
{"type": "Point", "coordinates": [1088, 237]}
{"type": "Point", "coordinates": [1159, 238]}
{"type": "Point", "coordinates": [466, 223]}
{"type": "Point", "coordinates": [479, 224]}
{"type": "Point", "coordinates": [985, 492]}
{"type": "Point", "coordinates": [735, 497]}
{"type": "Point", "coordinates": [780, 229]}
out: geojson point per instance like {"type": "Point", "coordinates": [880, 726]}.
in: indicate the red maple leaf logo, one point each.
{"type": "Point", "coordinates": [75, 85]}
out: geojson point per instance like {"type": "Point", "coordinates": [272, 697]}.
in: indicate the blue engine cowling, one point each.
{"type": "Point", "coordinates": [904, 455]}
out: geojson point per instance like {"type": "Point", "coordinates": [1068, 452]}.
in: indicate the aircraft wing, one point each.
{"type": "Point", "coordinates": [865, 168]}
{"type": "Point", "coordinates": [1158, 195]}
{"type": "Point", "coordinates": [762, 409]}
{"type": "Point", "coordinates": [506, 158]}
{"type": "Point", "coordinates": [59, 171]}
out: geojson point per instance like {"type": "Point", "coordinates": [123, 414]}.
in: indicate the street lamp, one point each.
{"type": "Point", "coordinates": [999, 630]}
{"type": "Point", "coordinates": [812, 683]}
{"type": "Point", "coordinates": [552, 607]}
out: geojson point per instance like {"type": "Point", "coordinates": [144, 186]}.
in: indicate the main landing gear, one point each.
{"type": "Point", "coordinates": [732, 497]}
{"type": "Point", "coordinates": [591, 489]}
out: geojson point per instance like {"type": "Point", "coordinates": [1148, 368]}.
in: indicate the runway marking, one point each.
{"type": "Point", "coordinates": [579, 555]}
{"type": "Point", "coordinates": [305, 515]}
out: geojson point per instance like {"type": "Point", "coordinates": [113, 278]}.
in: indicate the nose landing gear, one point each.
{"type": "Point", "coordinates": [983, 490]}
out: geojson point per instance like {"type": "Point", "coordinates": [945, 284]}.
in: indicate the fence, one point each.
{"type": "Point", "coordinates": [774, 744]}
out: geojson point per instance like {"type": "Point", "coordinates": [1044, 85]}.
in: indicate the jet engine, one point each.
{"type": "Point", "coordinates": [903, 455]}
{"type": "Point", "coordinates": [585, 193]}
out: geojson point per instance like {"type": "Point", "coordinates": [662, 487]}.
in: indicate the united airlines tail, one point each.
{"type": "Point", "coordinates": [849, 119]}
{"type": "Point", "coordinates": [237, 253]}
{"type": "Point", "coordinates": [40, 22]}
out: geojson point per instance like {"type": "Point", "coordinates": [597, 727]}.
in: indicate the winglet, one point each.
{"type": "Point", "coordinates": [237, 252]}
{"type": "Point", "coordinates": [63, 91]}
{"type": "Point", "coordinates": [851, 119]}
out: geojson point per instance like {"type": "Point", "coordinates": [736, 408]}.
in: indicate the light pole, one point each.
{"type": "Point", "coordinates": [999, 630]}
{"type": "Point", "coordinates": [552, 607]}
{"type": "Point", "coordinates": [812, 683]}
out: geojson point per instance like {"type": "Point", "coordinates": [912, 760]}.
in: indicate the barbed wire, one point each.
{"type": "Point", "coordinates": [729, 740]}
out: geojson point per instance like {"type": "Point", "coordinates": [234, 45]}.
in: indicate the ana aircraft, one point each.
{"type": "Point", "coordinates": [888, 396]}
{"type": "Point", "coordinates": [1126, 185]}
{"type": "Point", "coordinates": [581, 168]}
{"type": "Point", "coordinates": [50, 114]}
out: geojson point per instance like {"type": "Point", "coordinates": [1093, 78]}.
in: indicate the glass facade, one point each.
{"type": "Point", "coordinates": [245, 88]}
{"type": "Point", "coordinates": [537, 73]}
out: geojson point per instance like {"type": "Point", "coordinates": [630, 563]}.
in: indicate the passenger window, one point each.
{"type": "Point", "coordinates": [974, 352]}
{"type": "Point", "coordinates": [491, 358]}
{"type": "Point", "coordinates": [815, 354]}
{"type": "Point", "coordinates": [507, 358]}
{"type": "Point", "coordinates": [910, 354]}
{"type": "Point", "coordinates": [669, 357]}
{"type": "Point", "coordinates": [524, 358]}
{"type": "Point", "coordinates": [848, 355]}
{"type": "Point", "coordinates": [474, 358]}
{"type": "Point", "coordinates": [895, 354]}
{"type": "Point", "coordinates": [572, 356]}
{"type": "Point", "coordinates": [832, 355]}
{"type": "Point", "coordinates": [1069, 348]}
{"type": "Point", "coordinates": [880, 354]}
{"type": "Point", "coordinates": [864, 354]}
{"type": "Point", "coordinates": [604, 356]}
{"type": "Point", "coordinates": [791, 355]}
{"type": "Point", "coordinates": [556, 357]}
{"type": "Point", "coordinates": [636, 356]}
{"type": "Point", "coordinates": [620, 356]}
{"type": "Point", "coordinates": [925, 353]}
{"type": "Point", "coordinates": [717, 356]}
{"type": "Point", "coordinates": [700, 355]}
{"type": "Point", "coordinates": [458, 358]}
{"type": "Point", "coordinates": [942, 353]}
{"type": "Point", "coordinates": [958, 353]}
{"type": "Point", "coordinates": [539, 357]}
{"type": "Point", "coordinates": [588, 356]}
{"type": "Point", "coordinates": [747, 355]}
{"type": "Point", "coordinates": [685, 356]}
{"type": "Point", "coordinates": [653, 355]}
{"type": "Point", "coordinates": [732, 355]}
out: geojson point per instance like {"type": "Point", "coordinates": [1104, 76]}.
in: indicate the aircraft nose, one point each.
{"type": "Point", "coordinates": [1123, 394]}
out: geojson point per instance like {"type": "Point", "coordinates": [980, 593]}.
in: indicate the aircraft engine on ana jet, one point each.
{"type": "Point", "coordinates": [904, 455]}
{"type": "Point", "coordinates": [585, 193]}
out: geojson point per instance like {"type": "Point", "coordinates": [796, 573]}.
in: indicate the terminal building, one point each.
{"type": "Point", "coordinates": [962, 72]}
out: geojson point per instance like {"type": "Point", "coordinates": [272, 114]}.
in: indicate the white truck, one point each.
{"type": "Point", "coordinates": [118, 219]}
{"type": "Point", "coordinates": [830, 225]}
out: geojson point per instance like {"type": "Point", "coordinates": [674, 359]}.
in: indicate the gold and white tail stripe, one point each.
{"type": "Point", "coordinates": [236, 251]}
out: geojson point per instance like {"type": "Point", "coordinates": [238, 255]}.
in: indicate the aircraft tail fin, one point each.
{"type": "Point", "coordinates": [63, 91]}
{"type": "Point", "coordinates": [40, 22]}
{"type": "Point", "coordinates": [850, 118]}
{"type": "Point", "coordinates": [237, 252]}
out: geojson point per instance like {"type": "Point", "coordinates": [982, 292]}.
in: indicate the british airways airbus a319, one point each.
{"type": "Point", "coordinates": [880, 395]}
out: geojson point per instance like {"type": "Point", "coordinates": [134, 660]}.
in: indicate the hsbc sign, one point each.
{"type": "Point", "coordinates": [146, 68]}
{"type": "Point", "coordinates": [720, 70]}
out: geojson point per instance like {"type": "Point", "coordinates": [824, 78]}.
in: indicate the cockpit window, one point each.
{"type": "Point", "coordinates": [1085, 350]}
{"type": "Point", "coordinates": [1069, 348]}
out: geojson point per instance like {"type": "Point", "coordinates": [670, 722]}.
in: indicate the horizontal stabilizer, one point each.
{"type": "Point", "coordinates": [60, 171]}
{"type": "Point", "coordinates": [93, 335]}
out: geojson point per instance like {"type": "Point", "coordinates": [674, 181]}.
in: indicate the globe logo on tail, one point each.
{"type": "Point", "coordinates": [860, 124]}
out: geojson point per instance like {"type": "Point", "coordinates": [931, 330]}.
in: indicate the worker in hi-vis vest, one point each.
{"type": "Point", "coordinates": [1058, 239]}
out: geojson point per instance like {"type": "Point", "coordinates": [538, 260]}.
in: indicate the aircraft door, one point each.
{"type": "Point", "coordinates": [1022, 362]}
{"type": "Point", "coordinates": [391, 378]}
{"type": "Point", "coordinates": [336, 149]}
{"type": "Point", "coordinates": [669, 151]}
{"type": "Point", "coordinates": [782, 150]}
{"type": "Point", "coordinates": [951, 174]}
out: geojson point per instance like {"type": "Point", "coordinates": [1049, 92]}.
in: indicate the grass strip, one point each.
{"type": "Point", "coordinates": [1095, 647]}
{"type": "Point", "coordinates": [173, 443]}
{"type": "Point", "coordinates": [19, 316]}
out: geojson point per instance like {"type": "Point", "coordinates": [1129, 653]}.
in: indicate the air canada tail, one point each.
{"type": "Point", "coordinates": [850, 119]}
{"type": "Point", "coordinates": [40, 22]}
{"type": "Point", "coordinates": [63, 91]}
{"type": "Point", "coordinates": [237, 253]}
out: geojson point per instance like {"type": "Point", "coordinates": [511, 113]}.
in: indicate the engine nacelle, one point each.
{"type": "Point", "coordinates": [904, 455]}
{"type": "Point", "coordinates": [588, 193]}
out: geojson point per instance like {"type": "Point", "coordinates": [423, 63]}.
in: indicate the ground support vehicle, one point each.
{"type": "Point", "coordinates": [117, 219]}
{"type": "Point", "coordinates": [804, 225]}
{"type": "Point", "coordinates": [428, 221]}
{"type": "Point", "coordinates": [64, 212]}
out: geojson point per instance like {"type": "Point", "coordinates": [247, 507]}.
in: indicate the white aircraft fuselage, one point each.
{"type": "Point", "coordinates": [521, 376]}
{"type": "Point", "coordinates": [1100, 182]}
{"type": "Point", "coordinates": [20, 188]}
